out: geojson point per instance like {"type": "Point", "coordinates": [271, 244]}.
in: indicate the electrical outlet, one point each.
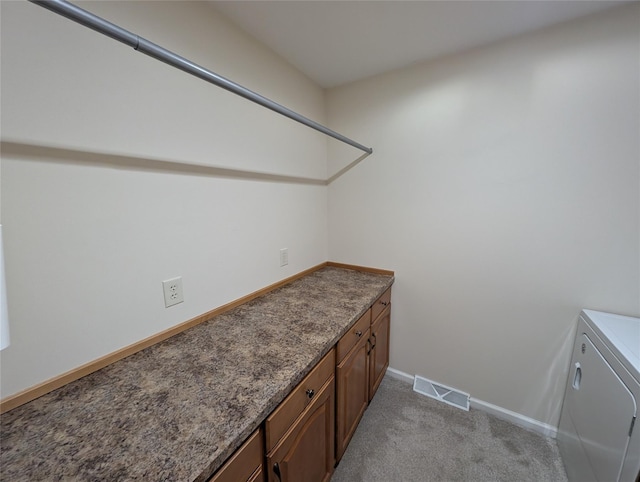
{"type": "Point", "coordinates": [172, 291]}
{"type": "Point", "coordinates": [284, 256]}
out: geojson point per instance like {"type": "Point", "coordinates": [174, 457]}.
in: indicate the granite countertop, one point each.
{"type": "Point", "coordinates": [176, 410]}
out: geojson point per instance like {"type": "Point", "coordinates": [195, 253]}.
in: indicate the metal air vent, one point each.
{"type": "Point", "coordinates": [441, 392]}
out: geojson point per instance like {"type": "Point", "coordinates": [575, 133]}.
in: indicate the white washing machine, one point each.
{"type": "Point", "coordinates": [598, 436]}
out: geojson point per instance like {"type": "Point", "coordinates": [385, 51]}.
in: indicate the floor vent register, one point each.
{"type": "Point", "coordinates": [441, 392]}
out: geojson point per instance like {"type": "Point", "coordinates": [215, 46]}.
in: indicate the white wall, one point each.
{"type": "Point", "coordinates": [89, 237]}
{"type": "Point", "coordinates": [504, 192]}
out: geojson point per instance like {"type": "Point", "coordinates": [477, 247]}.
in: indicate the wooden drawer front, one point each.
{"type": "Point", "coordinates": [351, 337]}
{"type": "Point", "coordinates": [244, 463]}
{"type": "Point", "coordinates": [380, 304]}
{"type": "Point", "coordinates": [288, 411]}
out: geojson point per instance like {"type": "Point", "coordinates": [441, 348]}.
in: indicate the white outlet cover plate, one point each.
{"type": "Point", "coordinates": [172, 291]}
{"type": "Point", "coordinates": [284, 256]}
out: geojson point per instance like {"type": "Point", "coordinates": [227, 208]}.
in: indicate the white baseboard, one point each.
{"type": "Point", "coordinates": [499, 412]}
{"type": "Point", "coordinates": [405, 377]}
{"type": "Point", "coordinates": [515, 418]}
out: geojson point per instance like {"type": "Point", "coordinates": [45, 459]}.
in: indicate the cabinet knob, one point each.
{"type": "Point", "coordinates": [310, 393]}
{"type": "Point", "coordinates": [359, 333]}
{"type": "Point", "coordinates": [384, 303]}
{"type": "Point", "coordinates": [276, 470]}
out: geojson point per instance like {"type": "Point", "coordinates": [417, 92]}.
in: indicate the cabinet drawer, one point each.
{"type": "Point", "coordinates": [353, 336]}
{"type": "Point", "coordinates": [380, 304]}
{"type": "Point", "coordinates": [288, 411]}
{"type": "Point", "coordinates": [244, 463]}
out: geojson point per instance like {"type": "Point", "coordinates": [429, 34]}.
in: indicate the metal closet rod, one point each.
{"type": "Point", "coordinates": [83, 17]}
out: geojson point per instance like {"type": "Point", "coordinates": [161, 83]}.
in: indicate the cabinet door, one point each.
{"type": "Point", "coordinates": [379, 355]}
{"type": "Point", "coordinates": [306, 453]}
{"type": "Point", "coordinates": [258, 476]}
{"type": "Point", "coordinates": [245, 463]}
{"type": "Point", "coordinates": [352, 392]}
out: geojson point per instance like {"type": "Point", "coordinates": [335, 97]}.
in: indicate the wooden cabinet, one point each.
{"type": "Point", "coordinates": [306, 450]}
{"type": "Point", "coordinates": [246, 464]}
{"type": "Point", "coordinates": [363, 358]}
{"type": "Point", "coordinates": [352, 381]}
{"type": "Point", "coordinates": [379, 352]}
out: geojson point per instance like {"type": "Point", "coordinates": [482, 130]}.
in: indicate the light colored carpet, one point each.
{"type": "Point", "coordinates": [405, 436]}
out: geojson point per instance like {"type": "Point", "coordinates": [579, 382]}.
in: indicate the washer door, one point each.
{"type": "Point", "coordinates": [601, 408]}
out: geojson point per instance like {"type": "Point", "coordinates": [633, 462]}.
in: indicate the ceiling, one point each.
{"type": "Point", "coordinates": [336, 42]}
